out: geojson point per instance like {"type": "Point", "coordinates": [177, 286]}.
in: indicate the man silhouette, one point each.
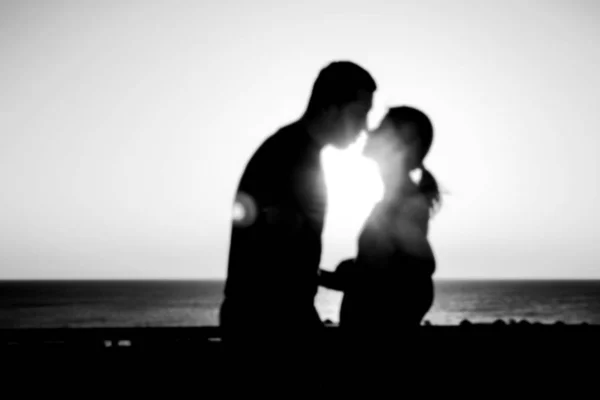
{"type": "Point", "coordinates": [279, 213]}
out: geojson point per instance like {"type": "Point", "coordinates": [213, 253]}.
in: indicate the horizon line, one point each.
{"type": "Point", "coordinates": [180, 279]}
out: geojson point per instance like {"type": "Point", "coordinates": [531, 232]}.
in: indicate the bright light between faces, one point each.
{"type": "Point", "coordinates": [354, 186]}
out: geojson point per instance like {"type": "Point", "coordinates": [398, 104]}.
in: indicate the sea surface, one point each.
{"type": "Point", "coordinates": [45, 304]}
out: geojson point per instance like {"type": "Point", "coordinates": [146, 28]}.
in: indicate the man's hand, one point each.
{"type": "Point", "coordinates": [337, 280]}
{"type": "Point", "coordinates": [329, 280]}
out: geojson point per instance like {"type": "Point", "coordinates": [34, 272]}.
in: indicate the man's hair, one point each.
{"type": "Point", "coordinates": [338, 84]}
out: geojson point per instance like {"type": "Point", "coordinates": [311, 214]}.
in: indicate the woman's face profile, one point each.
{"type": "Point", "coordinates": [393, 143]}
{"type": "Point", "coordinates": [380, 140]}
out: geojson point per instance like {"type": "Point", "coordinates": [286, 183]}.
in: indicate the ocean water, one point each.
{"type": "Point", "coordinates": [46, 304]}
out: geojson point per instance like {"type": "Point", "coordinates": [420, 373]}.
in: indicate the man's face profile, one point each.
{"type": "Point", "coordinates": [353, 120]}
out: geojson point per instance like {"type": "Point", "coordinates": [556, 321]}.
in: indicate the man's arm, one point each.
{"type": "Point", "coordinates": [262, 212]}
{"type": "Point", "coordinates": [253, 212]}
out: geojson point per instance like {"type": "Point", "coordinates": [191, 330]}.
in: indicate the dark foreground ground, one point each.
{"type": "Point", "coordinates": [481, 339]}
{"type": "Point", "coordinates": [500, 355]}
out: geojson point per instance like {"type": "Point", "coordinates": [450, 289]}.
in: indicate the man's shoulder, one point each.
{"type": "Point", "coordinates": [274, 155]}
{"type": "Point", "coordinates": [286, 137]}
{"type": "Point", "coordinates": [278, 147]}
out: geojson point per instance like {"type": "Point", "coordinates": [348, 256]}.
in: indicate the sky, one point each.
{"type": "Point", "coordinates": [125, 127]}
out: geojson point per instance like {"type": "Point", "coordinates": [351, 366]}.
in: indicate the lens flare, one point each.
{"type": "Point", "coordinates": [239, 213]}
{"type": "Point", "coordinates": [244, 210]}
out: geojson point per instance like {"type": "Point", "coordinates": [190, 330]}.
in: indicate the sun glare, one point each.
{"type": "Point", "coordinates": [353, 188]}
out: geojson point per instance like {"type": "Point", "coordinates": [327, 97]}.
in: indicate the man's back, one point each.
{"type": "Point", "coordinates": [274, 257]}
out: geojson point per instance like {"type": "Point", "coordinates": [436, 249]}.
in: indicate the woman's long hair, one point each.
{"type": "Point", "coordinates": [428, 185]}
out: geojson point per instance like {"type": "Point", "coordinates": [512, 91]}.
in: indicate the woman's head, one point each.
{"type": "Point", "coordinates": [400, 145]}
{"type": "Point", "coordinates": [405, 132]}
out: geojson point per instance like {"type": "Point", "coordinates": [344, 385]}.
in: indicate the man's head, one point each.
{"type": "Point", "coordinates": [341, 99]}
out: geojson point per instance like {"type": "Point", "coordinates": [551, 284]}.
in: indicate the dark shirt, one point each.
{"type": "Point", "coordinates": [274, 259]}
{"type": "Point", "coordinates": [390, 285]}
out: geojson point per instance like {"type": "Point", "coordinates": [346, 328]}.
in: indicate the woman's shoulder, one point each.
{"type": "Point", "coordinates": [417, 201]}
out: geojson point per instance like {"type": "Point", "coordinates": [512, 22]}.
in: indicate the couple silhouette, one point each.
{"type": "Point", "coordinates": [279, 211]}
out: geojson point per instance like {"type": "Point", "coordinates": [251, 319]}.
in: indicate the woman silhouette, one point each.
{"type": "Point", "coordinates": [388, 287]}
